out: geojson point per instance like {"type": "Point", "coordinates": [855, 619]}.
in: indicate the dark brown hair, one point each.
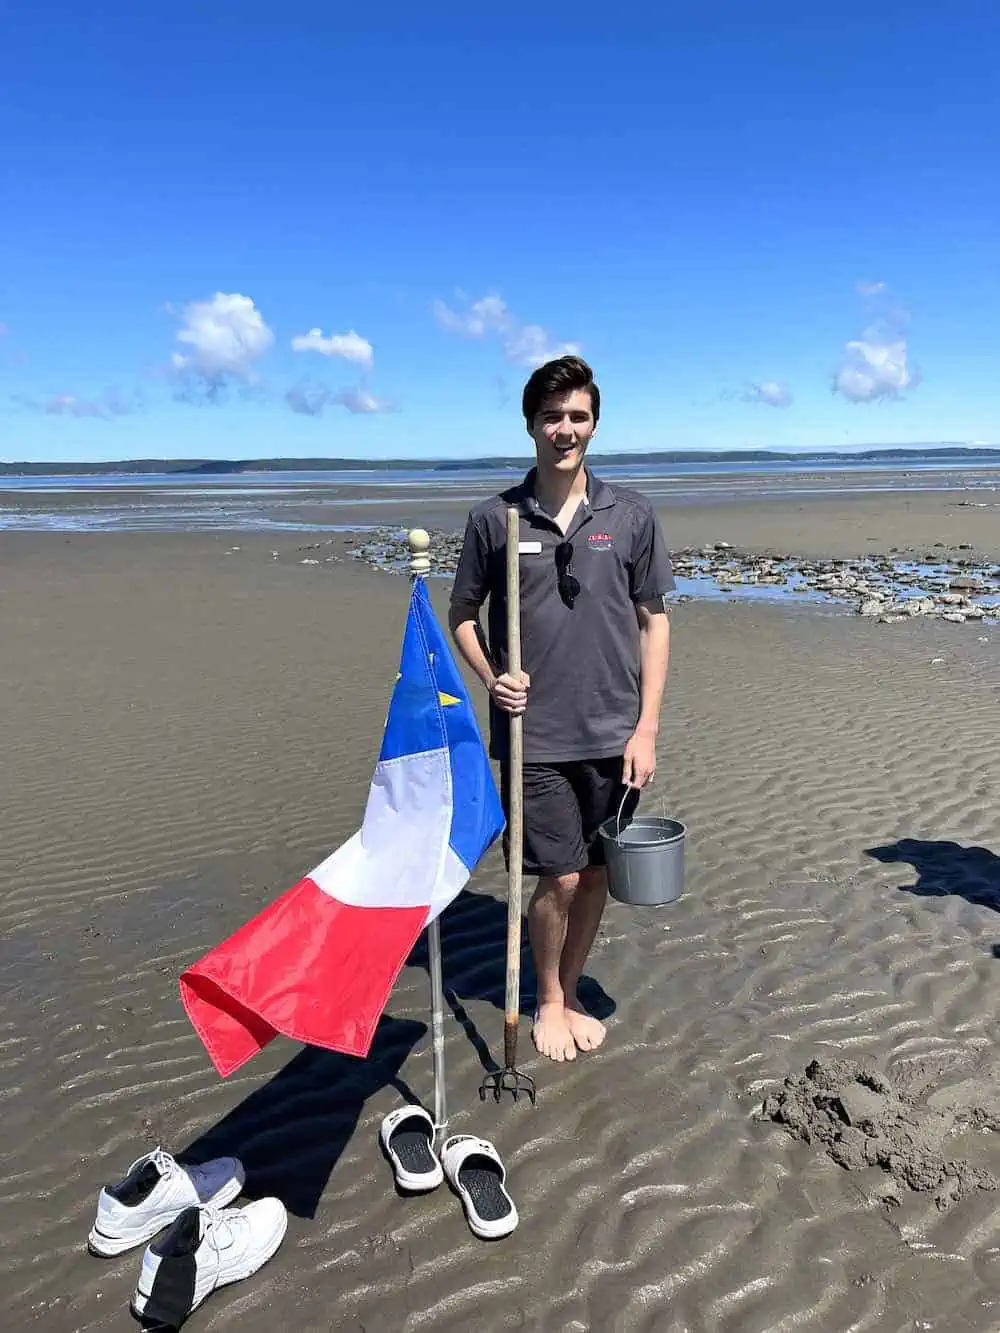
{"type": "Point", "coordinates": [558, 378]}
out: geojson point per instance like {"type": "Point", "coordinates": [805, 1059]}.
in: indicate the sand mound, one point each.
{"type": "Point", "coordinates": [861, 1120]}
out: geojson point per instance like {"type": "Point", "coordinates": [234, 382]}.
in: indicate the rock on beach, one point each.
{"type": "Point", "coordinates": [882, 588]}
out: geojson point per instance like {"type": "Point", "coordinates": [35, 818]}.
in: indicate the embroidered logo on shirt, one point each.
{"type": "Point", "coordinates": [600, 541]}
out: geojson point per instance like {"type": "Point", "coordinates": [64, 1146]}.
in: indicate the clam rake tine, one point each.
{"type": "Point", "coordinates": [510, 1078]}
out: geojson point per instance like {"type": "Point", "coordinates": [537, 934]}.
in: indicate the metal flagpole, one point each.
{"type": "Point", "coordinates": [437, 1025]}
{"type": "Point", "coordinates": [420, 566]}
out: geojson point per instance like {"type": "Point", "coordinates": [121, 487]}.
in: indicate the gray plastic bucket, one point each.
{"type": "Point", "coordinates": [645, 858]}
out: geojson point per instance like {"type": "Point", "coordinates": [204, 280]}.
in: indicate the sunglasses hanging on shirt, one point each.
{"type": "Point", "coordinates": [569, 585]}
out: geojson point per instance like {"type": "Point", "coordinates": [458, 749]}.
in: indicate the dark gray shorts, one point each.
{"type": "Point", "coordinates": [564, 805]}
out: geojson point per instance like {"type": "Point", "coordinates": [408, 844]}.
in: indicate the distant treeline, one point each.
{"type": "Point", "coordinates": [223, 466]}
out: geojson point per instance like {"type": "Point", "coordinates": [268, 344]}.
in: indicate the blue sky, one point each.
{"type": "Point", "coordinates": [766, 226]}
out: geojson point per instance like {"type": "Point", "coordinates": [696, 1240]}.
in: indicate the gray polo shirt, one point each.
{"type": "Point", "coordinates": [583, 661]}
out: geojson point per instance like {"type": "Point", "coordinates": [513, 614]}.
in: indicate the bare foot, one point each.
{"type": "Point", "coordinates": [587, 1032]}
{"type": "Point", "coordinates": [551, 1033]}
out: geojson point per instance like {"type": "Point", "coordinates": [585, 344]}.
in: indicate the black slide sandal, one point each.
{"type": "Point", "coordinates": [477, 1175]}
{"type": "Point", "coordinates": [407, 1136]}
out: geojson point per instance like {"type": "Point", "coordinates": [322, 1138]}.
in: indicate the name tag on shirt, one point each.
{"type": "Point", "coordinates": [530, 548]}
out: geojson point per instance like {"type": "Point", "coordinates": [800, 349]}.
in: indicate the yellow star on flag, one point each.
{"type": "Point", "coordinates": [445, 700]}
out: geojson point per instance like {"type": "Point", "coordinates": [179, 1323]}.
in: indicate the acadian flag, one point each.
{"type": "Point", "coordinates": [318, 964]}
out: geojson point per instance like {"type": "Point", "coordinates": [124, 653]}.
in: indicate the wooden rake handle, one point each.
{"type": "Point", "coordinates": [512, 1003]}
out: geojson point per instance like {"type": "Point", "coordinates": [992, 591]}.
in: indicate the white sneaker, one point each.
{"type": "Point", "coordinates": [204, 1249]}
{"type": "Point", "coordinates": [152, 1194]}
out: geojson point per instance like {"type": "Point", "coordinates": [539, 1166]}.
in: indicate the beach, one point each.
{"type": "Point", "coordinates": [192, 719]}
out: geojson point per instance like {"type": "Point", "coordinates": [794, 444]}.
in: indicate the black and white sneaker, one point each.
{"type": "Point", "coordinates": [204, 1249]}
{"type": "Point", "coordinates": [153, 1192]}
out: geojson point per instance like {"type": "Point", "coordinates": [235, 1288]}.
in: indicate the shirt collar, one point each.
{"type": "Point", "coordinates": [599, 495]}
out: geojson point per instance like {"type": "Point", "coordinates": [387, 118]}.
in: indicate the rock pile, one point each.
{"type": "Point", "coordinates": [887, 588]}
{"type": "Point", "coordinates": [389, 550]}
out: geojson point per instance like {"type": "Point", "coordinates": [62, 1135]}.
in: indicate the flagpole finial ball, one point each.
{"type": "Point", "coordinates": [420, 542]}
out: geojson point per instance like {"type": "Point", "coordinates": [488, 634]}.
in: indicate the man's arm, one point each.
{"type": "Point", "coordinates": [467, 632]}
{"type": "Point", "coordinates": [468, 593]}
{"type": "Point", "coordinates": [651, 576]}
{"type": "Point", "coordinates": [509, 694]}
{"type": "Point", "coordinates": [654, 660]}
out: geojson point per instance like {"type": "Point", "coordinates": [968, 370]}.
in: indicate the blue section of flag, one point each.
{"type": "Point", "coordinates": [418, 722]}
{"type": "Point", "coordinates": [415, 723]}
{"type": "Point", "coordinates": [477, 818]}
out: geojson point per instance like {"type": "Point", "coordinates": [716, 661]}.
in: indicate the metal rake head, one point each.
{"type": "Point", "coordinates": [507, 1080]}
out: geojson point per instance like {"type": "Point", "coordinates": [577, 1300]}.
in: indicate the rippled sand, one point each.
{"type": "Point", "coordinates": [189, 728]}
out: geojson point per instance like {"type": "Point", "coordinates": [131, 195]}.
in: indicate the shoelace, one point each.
{"type": "Point", "coordinates": [163, 1162]}
{"type": "Point", "coordinates": [219, 1227]}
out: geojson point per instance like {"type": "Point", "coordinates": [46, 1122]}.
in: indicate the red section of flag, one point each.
{"type": "Point", "coordinates": [309, 967]}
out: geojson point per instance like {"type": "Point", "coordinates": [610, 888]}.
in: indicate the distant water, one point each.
{"type": "Point", "coordinates": [480, 478]}
{"type": "Point", "coordinates": [311, 500]}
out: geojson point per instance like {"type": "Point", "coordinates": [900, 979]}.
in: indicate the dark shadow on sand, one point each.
{"type": "Point", "coordinates": [474, 966]}
{"type": "Point", "coordinates": [291, 1133]}
{"type": "Point", "coordinates": [946, 868]}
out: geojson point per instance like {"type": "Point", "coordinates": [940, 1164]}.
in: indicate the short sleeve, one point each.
{"type": "Point", "coordinates": [651, 574]}
{"type": "Point", "coordinates": [471, 585]}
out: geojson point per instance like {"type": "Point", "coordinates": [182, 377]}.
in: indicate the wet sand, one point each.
{"type": "Point", "coordinates": [821, 515]}
{"type": "Point", "coordinates": [820, 526]}
{"type": "Point", "coordinates": [189, 728]}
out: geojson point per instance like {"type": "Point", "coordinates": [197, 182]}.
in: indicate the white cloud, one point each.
{"type": "Point", "coordinates": [523, 344]}
{"type": "Point", "coordinates": [68, 404]}
{"type": "Point", "coordinates": [308, 399]}
{"type": "Point", "coordinates": [360, 400]}
{"type": "Point", "coordinates": [488, 314]}
{"type": "Point", "coordinates": [311, 399]}
{"type": "Point", "coordinates": [351, 346]}
{"type": "Point", "coordinates": [775, 393]}
{"type": "Point", "coordinates": [225, 336]}
{"type": "Point", "coordinates": [872, 370]}
{"type": "Point", "coordinates": [876, 366]}
{"type": "Point", "coordinates": [112, 403]}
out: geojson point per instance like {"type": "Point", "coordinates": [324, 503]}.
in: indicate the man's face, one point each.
{"type": "Point", "coordinates": [562, 429]}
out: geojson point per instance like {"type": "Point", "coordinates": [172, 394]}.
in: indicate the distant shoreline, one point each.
{"type": "Point", "coordinates": [236, 466]}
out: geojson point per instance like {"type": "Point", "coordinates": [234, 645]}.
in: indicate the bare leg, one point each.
{"type": "Point", "coordinates": [585, 913]}
{"type": "Point", "coordinates": [548, 924]}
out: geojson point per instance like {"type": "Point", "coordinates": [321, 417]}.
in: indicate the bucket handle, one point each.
{"type": "Point", "coordinates": [618, 822]}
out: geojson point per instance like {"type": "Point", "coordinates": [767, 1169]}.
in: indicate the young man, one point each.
{"type": "Point", "coordinates": [595, 645]}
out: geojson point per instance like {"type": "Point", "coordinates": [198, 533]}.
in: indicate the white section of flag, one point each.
{"type": "Point", "coordinates": [455, 875]}
{"type": "Point", "coordinates": [398, 857]}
